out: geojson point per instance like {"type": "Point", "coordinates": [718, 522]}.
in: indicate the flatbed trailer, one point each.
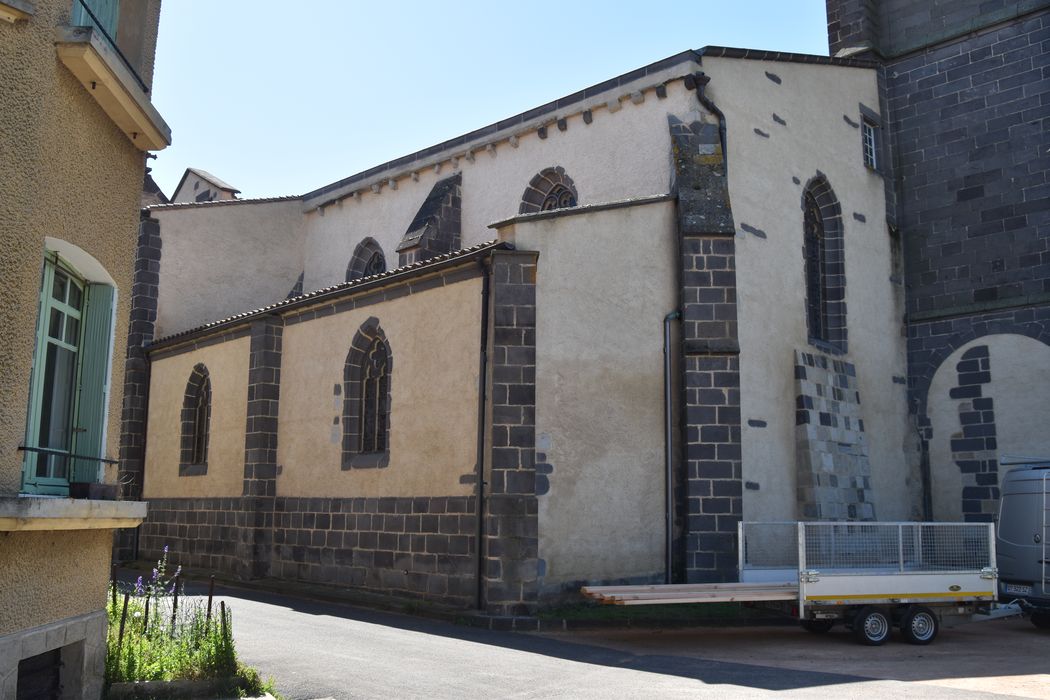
{"type": "Point", "coordinates": [869, 576]}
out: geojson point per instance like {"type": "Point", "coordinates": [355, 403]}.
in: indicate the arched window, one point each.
{"type": "Point", "coordinates": [550, 189]}
{"type": "Point", "coordinates": [824, 259]}
{"type": "Point", "coordinates": [366, 399]}
{"type": "Point", "coordinates": [816, 273]}
{"type": "Point", "coordinates": [196, 423]}
{"type": "Point", "coordinates": [374, 383]}
{"type": "Point", "coordinates": [368, 260]}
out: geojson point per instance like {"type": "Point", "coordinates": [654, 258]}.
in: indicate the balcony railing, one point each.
{"type": "Point", "coordinates": [97, 24]}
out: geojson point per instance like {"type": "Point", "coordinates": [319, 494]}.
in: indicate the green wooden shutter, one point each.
{"type": "Point", "coordinates": [94, 374]}
{"type": "Point", "coordinates": [106, 11]}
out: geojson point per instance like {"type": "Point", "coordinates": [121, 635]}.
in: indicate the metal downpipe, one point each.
{"type": "Point", "coordinates": [668, 449]}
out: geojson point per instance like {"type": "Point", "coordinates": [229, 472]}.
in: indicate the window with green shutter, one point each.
{"type": "Point", "coordinates": [70, 381]}
{"type": "Point", "coordinates": [106, 13]}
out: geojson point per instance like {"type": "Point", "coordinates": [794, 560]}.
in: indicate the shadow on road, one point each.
{"type": "Point", "coordinates": [705, 671]}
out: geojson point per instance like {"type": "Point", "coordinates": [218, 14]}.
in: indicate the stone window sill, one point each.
{"type": "Point", "coordinates": [826, 346]}
{"type": "Point", "coordinates": [193, 469]}
{"type": "Point", "coordinates": [15, 10]}
{"type": "Point", "coordinates": [367, 460]}
{"type": "Point", "coordinates": [55, 513]}
{"type": "Point", "coordinates": [103, 74]}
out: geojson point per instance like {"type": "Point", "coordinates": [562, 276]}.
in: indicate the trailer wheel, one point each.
{"type": "Point", "coordinates": [1041, 620]}
{"type": "Point", "coordinates": [871, 626]}
{"type": "Point", "coordinates": [919, 625]}
{"type": "Point", "coordinates": [817, 626]}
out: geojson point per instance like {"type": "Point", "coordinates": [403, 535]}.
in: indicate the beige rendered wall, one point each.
{"type": "Point", "coordinates": [619, 155]}
{"type": "Point", "coordinates": [219, 260]}
{"type": "Point", "coordinates": [70, 174]}
{"type": "Point", "coordinates": [47, 576]}
{"type": "Point", "coordinates": [770, 271]}
{"type": "Point", "coordinates": [605, 282]}
{"type": "Point", "coordinates": [227, 365]}
{"type": "Point", "coordinates": [435, 339]}
{"type": "Point", "coordinates": [1017, 365]}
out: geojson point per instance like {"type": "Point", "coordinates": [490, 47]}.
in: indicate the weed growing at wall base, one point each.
{"type": "Point", "coordinates": [157, 634]}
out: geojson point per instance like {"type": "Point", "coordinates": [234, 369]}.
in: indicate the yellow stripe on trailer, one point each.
{"type": "Point", "coordinates": [894, 596]}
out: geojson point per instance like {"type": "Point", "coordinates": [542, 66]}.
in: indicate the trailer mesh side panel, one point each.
{"type": "Point", "coordinates": [770, 545]}
{"type": "Point", "coordinates": [897, 547]}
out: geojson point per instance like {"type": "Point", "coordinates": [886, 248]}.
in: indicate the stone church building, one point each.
{"type": "Point", "coordinates": [577, 345]}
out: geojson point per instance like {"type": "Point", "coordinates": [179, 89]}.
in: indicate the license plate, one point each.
{"type": "Point", "coordinates": [1017, 589]}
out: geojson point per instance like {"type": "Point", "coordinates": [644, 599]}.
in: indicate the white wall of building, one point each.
{"type": "Point", "coordinates": [812, 100]}
{"type": "Point", "coordinates": [218, 260]}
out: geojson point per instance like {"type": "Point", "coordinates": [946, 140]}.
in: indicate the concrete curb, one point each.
{"type": "Point", "coordinates": [174, 689]}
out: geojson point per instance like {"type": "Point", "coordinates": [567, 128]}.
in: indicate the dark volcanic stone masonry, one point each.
{"type": "Point", "coordinates": [414, 547]}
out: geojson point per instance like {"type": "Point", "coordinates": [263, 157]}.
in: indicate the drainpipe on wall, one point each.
{"type": "Point", "coordinates": [699, 81]}
{"type": "Point", "coordinates": [668, 448]}
{"type": "Point", "coordinates": [483, 357]}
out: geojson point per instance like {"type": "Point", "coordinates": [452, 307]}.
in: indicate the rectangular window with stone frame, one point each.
{"type": "Point", "coordinates": [870, 126]}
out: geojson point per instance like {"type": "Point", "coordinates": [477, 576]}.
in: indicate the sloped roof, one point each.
{"type": "Point", "coordinates": [345, 289]}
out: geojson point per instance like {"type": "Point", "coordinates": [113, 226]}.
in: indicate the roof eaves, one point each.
{"type": "Point", "coordinates": [517, 120]}
{"type": "Point", "coordinates": [582, 209]}
{"type": "Point", "coordinates": [223, 202]}
{"type": "Point", "coordinates": [782, 56]}
{"type": "Point", "coordinates": [221, 184]}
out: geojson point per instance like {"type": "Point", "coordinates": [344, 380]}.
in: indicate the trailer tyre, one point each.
{"type": "Point", "coordinates": [919, 625]}
{"type": "Point", "coordinates": [817, 626]}
{"type": "Point", "coordinates": [871, 626]}
{"type": "Point", "coordinates": [1041, 620]}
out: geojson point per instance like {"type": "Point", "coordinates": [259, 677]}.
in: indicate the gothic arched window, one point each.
{"type": "Point", "coordinates": [825, 266]}
{"type": "Point", "coordinates": [816, 273]}
{"type": "Point", "coordinates": [368, 260]}
{"type": "Point", "coordinates": [550, 189]}
{"type": "Point", "coordinates": [366, 399]}
{"type": "Point", "coordinates": [196, 423]}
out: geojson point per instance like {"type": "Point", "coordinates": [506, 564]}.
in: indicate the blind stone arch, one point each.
{"type": "Point", "coordinates": [549, 189]}
{"type": "Point", "coordinates": [366, 399]}
{"type": "Point", "coordinates": [825, 266]}
{"type": "Point", "coordinates": [368, 259]}
{"type": "Point", "coordinates": [196, 423]}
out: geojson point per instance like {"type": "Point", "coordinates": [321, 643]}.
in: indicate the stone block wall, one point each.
{"type": "Point", "coordinates": [409, 547]}
{"type": "Point", "coordinates": [141, 330]}
{"type": "Point", "coordinates": [833, 469]}
{"type": "Point", "coordinates": [511, 523]}
{"type": "Point", "coordinates": [201, 533]}
{"type": "Point", "coordinates": [711, 489]}
{"type": "Point", "coordinates": [415, 547]}
{"type": "Point", "coordinates": [969, 122]}
{"type": "Point", "coordinates": [974, 447]}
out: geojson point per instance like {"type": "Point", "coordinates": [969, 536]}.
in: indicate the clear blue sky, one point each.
{"type": "Point", "coordinates": [280, 98]}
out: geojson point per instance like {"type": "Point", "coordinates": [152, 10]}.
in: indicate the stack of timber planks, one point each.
{"type": "Point", "coordinates": [665, 594]}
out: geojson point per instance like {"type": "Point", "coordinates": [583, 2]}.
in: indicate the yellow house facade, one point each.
{"type": "Point", "coordinates": [76, 122]}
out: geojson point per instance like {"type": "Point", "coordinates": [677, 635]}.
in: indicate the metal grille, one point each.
{"type": "Point", "coordinates": [897, 546]}
{"type": "Point", "coordinates": [769, 545]}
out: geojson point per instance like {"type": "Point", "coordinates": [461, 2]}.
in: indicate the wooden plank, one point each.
{"type": "Point", "coordinates": [688, 587]}
{"type": "Point", "coordinates": [713, 594]}
{"type": "Point", "coordinates": [714, 597]}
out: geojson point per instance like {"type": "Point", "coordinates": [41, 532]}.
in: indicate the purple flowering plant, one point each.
{"type": "Point", "coordinates": [159, 583]}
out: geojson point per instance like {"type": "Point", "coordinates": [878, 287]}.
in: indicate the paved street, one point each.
{"type": "Point", "coordinates": [320, 650]}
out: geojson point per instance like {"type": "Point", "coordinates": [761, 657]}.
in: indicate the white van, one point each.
{"type": "Point", "coordinates": [1022, 552]}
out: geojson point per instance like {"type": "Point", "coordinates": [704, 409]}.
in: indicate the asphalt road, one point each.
{"type": "Point", "coordinates": [321, 650]}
